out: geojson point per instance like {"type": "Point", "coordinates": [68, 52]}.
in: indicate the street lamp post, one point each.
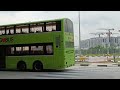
{"type": "Point", "coordinates": [79, 34]}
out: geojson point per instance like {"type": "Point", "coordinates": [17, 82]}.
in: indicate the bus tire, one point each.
{"type": "Point", "coordinates": [37, 66]}
{"type": "Point", "coordinates": [21, 65]}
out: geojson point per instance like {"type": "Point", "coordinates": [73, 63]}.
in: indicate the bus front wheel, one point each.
{"type": "Point", "coordinates": [37, 66]}
{"type": "Point", "coordinates": [21, 66]}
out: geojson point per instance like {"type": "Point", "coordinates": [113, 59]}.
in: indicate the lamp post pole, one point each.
{"type": "Point", "coordinates": [79, 34]}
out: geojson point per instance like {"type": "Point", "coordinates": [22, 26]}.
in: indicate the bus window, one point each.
{"type": "Point", "coordinates": [32, 29]}
{"type": "Point", "coordinates": [40, 48]}
{"type": "Point", "coordinates": [12, 50]}
{"type": "Point", "coordinates": [18, 50]}
{"type": "Point", "coordinates": [39, 29]}
{"type": "Point", "coordinates": [68, 26]}
{"type": "Point", "coordinates": [0, 32]}
{"type": "Point", "coordinates": [36, 28]}
{"type": "Point", "coordinates": [37, 50]}
{"type": "Point", "coordinates": [3, 32]}
{"type": "Point", "coordinates": [18, 30]}
{"type": "Point", "coordinates": [12, 31]}
{"type": "Point", "coordinates": [25, 50]}
{"type": "Point", "coordinates": [9, 50]}
{"type": "Point", "coordinates": [25, 29]}
{"type": "Point", "coordinates": [22, 29]}
{"type": "Point", "coordinates": [58, 25]}
{"type": "Point", "coordinates": [49, 49]}
{"type": "Point", "coordinates": [7, 31]}
{"type": "Point", "coordinates": [50, 26]}
{"type": "Point", "coordinates": [54, 28]}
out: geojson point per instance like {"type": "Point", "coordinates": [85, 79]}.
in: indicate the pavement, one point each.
{"type": "Point", "coordinates": [75, 72]}
{"type": "Point", "coordinates": [98, 64]}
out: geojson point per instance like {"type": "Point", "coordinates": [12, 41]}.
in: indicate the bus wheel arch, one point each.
{"type": "Point", "coordinates": [21, 65]}
{"type": "Point", "coordinates": [37, 65]}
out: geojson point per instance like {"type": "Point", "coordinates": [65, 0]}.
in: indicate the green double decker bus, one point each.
{"type": "Point", "coordinates": [37, 45]}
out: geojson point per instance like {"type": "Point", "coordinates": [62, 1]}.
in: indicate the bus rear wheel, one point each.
{"type": "Point", "coordinates": [37, 66]}
{"type": "Point", "coordinates": [21, 66]}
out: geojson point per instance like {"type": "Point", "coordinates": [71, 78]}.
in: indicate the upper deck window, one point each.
{"type": "Point", "coordinates": [51, 26]}
{"type": "Point", "coordinates": [18, 30]}
{"type": "Point", "coordinates": [38, 27]}
{"type": "Point", "coordinates": [25, 30]}
{"type": "Point", "coordinates": [31, 28]}
{"type": "Point", "coordinates": [2, 31]}
{"type": "Point", "coordinates": [68, 26]}
{"type": "Point", "coordinates": [22, 29]}
{"type": "Point", "coordinates": [58, 25]}
{"type": "Point", "coordinates": [10, 30]}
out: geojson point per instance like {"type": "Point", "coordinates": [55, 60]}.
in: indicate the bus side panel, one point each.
{"type": "Point", "coordinates": [68, 46]}
{"type": "Point", "coordinates": [69, 57]}
{"type": "Point", "coordinates": [47, 61]}
{"type": "Point", "coordinates": [58, 51]}
{"type": "Point", "coordinates": [59, 60]}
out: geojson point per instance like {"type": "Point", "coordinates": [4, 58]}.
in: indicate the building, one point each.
{"type": "Point", "coordinates": [102, 41]}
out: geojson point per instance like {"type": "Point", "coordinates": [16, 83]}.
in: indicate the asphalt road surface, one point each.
{"type": "Point", "coordinates": [75, 72]}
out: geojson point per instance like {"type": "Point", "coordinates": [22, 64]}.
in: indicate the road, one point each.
{"type": "Point", "coordinates": [75, 72]}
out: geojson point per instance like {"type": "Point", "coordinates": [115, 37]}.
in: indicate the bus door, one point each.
{"type": "Point", "coordinates": [2, 57]}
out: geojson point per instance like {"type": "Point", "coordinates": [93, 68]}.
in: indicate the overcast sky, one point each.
{"type": "Point", "coordinates": [90, 21]}
{"type": "Point", "coordinates": [94, 21]}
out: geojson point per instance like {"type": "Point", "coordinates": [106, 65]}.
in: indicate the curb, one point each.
{"type": "Point", "coordinates": [84, 64]}
{"type": "Point", "coordinates": [102, 65]}
{"type": "Point", "coordinates": [118, 65]}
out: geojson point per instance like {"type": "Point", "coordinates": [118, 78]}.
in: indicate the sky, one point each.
{"type": "Point", "coordinates": [90, 21]}
{"type": "Point", "coordinates": [98, 21]}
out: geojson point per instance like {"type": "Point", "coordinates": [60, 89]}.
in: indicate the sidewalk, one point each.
{"type": "Point", "coordinates": [97, 64]}
{"type": "Point", "coordinates": [104, 64]}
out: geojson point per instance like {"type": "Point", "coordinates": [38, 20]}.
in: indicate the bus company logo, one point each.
{"type": "Point", "coordinates": [4, 40]}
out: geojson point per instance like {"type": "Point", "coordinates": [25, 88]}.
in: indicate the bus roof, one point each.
{"type": "Point", "coordinates": [33, 22]}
